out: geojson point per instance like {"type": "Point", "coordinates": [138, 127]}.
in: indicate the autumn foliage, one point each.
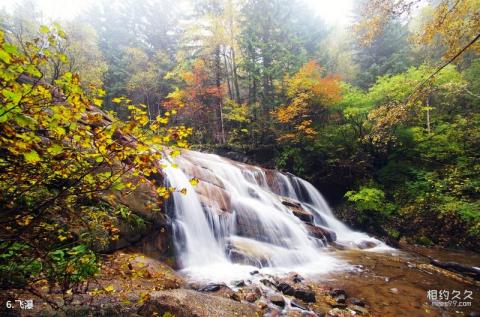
{"type": "Point", "coordinates": [60, 159]}
{"type": "Point", "coordinates": [309, 93]}
{"type": "Point", "coordinates": [198, 100]}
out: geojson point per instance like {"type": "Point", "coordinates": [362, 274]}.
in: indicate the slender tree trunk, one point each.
{"type": "Point", "coordinates": [235, 76]}
{"type": "Point", "coordinates": [218, 83]}
{"type": "Point", "coordinates": [428, 114]}
{"type": "Point", "coordinates": [227, 77]}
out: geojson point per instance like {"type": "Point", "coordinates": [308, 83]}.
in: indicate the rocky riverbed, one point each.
{"type": "Point", "coordinates": [379, 284]}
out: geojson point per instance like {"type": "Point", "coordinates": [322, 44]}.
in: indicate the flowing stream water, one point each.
{"type": "Point", "coordinates": [254, 222]}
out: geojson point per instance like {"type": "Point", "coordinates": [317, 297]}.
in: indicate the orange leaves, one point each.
{"type": "Point", "coordinates": [310, 93]}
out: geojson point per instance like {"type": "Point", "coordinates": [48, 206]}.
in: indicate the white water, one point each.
{"type": "Point", "coordinates": [258, 224]}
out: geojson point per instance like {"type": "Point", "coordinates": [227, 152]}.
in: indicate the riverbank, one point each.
{"type": "Point", "coordinates": [379, 284]}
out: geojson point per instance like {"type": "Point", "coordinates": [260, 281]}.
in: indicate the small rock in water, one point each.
{"type": "Point", "coordinates": [336, 312]}
{"type": "Point", "coordinates": [359, 309]}
{"type": "Point", "coordinates": [261, 305]}
{"type": "Point", "coordinates": [337, 291]}
{"type": "Point", "coordinates": [268, 283]}
{"type": "Point", "coordinates": [240, 283]}
{"type": "Point", "coordinates": [366, 245]}
{"type": "Point", "coordinates": [254, 272]}
{"type": "Point", "coordinates": [236, 297]}
{"type": "Point", "coordinates": [277, 300]}
{"type": "Point", "coordinates": [394, 290]}
{"type": "Point", "coordinates": [296, 304]}
{"type": "Point", "coordinates": [286, 289]}
{"type": "Point", "coordinates": [305, 294]}
{"type": "Point", "coordinates": [319, 313]}
{"type": "Point", "coordinates": [295, 277]}
{"type": "Point", "coordinates": [358, 302]}
{"type": "Point", "coordinates": [210, 288]}
{"type": "Point", "coordinates": [340, 298]}
{"type": "Point", "coordinates": [251, 297]}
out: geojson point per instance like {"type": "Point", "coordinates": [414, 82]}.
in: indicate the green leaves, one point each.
{"type": "Point", "coordinates": [367, 199]}
{"type": "Point", "coordinates": [13, 96]}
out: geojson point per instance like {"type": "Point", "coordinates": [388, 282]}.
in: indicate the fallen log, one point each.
{"type": "Point", "coordinates": [469, 271]}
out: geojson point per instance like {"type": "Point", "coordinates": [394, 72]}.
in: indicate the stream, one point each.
{"type": "Point", "coordinates": [241, 219]}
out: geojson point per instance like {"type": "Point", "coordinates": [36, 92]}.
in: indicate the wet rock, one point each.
{"type": "Point", "coordinates": [251, 297]}
{"type": "Point", "coordinates": [286, 289]}
{"type": "Point", "coordinates": [305, 294]}
{"type": "Point", "coordinates": [236, 296]}
{"type": "Point", "coordinates": [321, 233]}
{"type": "Point", "coordinates": [251, 294]}
{"type": "Point", "coordinates": [366, 245]}
{"type": "Point", "coordinates": [238, 256]}
{"type": "Point", "coordinates": [290, 202]}
{"type": "Point", "coordinates": [296, 304]}
{"type": "Point", "coordinates": [294, 313]}
{"type": "Point", "coordinates": [359, 309]}
{"type": "Point", "coordinates": [239, 283]}
{"type": "Point", "coordinates": [254, 272]}
{"type": "Point", "coordinates": [394, 290]}
{"type": "Point", "coordinates": [302, 214]}
{"type": "Point", "coordinates": [319, 313]}
{"type": "Point", "coordinates": [341, 298]}
{"type": "Point", "coordinates": [277, 300]}
{"type": "Point", "coordinates": [210, 288]}
{"type": "Point", "coordinates": [337, 291]}
{"type": "Point", "coordinates": [253, 193]}
{"type": "Point", "coordinates": [339, 246]}
{"type": "Point", "coordinates": [194, 286]}
{"type": "Point", "coordinates": [295, 277]}
{"type": "Point", "coordinates": [269, 283]}
{"type": "Point", "coordinates": [358, 302]}
{"type": "Point", "coordinates": [337, 312]}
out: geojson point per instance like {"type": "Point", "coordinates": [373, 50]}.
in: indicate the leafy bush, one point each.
{"type": "Point", "coordinates": [58, 155]}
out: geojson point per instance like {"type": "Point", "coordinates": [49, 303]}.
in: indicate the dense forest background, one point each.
{"type": "Point", "coordinates": [354, 110]}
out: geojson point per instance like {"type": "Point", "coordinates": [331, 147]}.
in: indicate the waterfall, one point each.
{"type": "Point", "coordinates": [192, 223]}
{"type": "Point", "coordinates": [241, 217]}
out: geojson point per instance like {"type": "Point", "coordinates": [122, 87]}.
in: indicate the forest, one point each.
{"type": "Point", "coordinates": [381, 114]}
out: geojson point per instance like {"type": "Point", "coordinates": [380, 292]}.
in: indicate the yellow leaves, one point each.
{"type": "Point", "coordinates": [194, 181]}
{"type": "Point", "coordinates": [163, 192]}
{"type": "Point", "coordinates": [161, 120]}
{"type": "Point", "coordinates": [117, 100]}
{"type": "Point", "coordinates": [109, 289]}
{"type": "Point", "coordinates": [60, 131]}
{"type": "Point", "coordinates": [97, 102]}
{"type": "Point", "coordinates": [174, 153]}
{"type": "Point", "coordinates": [44, 29]}
{"type": "Point", "coordinates": [24, 221]}
{"type": "Point", "coordinates": [183, 191]}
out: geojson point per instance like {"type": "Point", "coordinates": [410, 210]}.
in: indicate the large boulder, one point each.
{"type": "Point", "coordinates": [241, 251]}
{"type": "Point", "coordinates": [189, 303]}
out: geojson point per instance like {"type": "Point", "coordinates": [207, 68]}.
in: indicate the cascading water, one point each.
{"type": "Point", "coordinates": [237, 219]}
